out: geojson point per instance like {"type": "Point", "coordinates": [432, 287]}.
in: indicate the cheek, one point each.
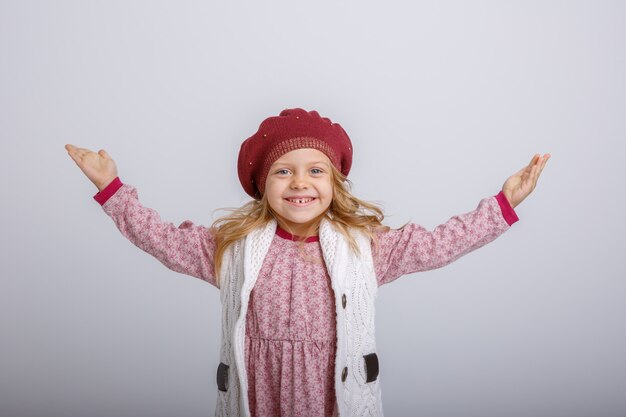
{"type": "Point", "coordinates": [328, 191]}
{"type": "Point", "coordinates": [328, 198]}
{"type": "Point", "coordinates": [272, 190]}
{"type": "Point", "coordinates": [274, 199]}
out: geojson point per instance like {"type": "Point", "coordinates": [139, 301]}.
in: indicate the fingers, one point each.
{"type": "Point", "coordinates": [544, 160]}
{"type": "Point", "coordinates": [541, 161]}
{"type": "Point", "coordinates": [538, 167]}
{"type": "Point", "coordinates": [77, 154]}
{"type": "Point", "coordinates": [533, 159]}
{"type": "Point", "coordinates": [530, 173]}
{"type": "Point", "coordinates": [75, 151]}
{"type": "Point", "coordinates": [537, 159]}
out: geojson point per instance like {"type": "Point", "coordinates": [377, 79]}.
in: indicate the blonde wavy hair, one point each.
{"type": "Point", "coordinates": [345, 211]}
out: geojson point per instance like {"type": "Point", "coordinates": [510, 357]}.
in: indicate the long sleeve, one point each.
{"type": "Point", "coordinates": [188, 248]}
{"type": "Point", "coordinates": [413, 248]}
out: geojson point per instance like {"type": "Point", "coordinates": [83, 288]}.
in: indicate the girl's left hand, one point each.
{"type": "Point", "coordinates": [523, 182]}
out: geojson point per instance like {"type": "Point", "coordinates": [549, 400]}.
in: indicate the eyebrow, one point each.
{"type": "Point", "coordinates": [310, 163]}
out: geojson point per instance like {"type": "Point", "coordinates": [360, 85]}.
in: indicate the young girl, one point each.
{"type": "Point", "coordinates": [298, 267]}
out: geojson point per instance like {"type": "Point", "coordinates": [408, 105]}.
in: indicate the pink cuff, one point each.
{"type": "Point", "coordinates": [507, 210]}
{"type": "Point", "coordinates": [102, 196]}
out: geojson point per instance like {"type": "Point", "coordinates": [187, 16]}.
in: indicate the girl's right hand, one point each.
{"type": "Point", "coordinates": [99, 167]}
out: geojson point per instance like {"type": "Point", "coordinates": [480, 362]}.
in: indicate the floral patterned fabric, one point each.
{"type": "Point", "coordinates": [290, 324]}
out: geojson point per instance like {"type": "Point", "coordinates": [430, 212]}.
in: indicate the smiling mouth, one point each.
{"type": "Point", "coordinates": [300, 202]}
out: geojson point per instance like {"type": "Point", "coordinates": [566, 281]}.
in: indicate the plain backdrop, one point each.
{"type": "Point", "coordinates": [443, 101]}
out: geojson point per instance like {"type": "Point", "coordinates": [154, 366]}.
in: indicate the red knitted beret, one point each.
{"type": "Point", "coordinates": [292, 129]}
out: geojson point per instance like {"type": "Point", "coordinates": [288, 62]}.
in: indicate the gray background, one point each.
{"type": "Point", "coordinates": [443, 102]}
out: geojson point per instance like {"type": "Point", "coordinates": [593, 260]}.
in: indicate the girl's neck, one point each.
{"type": "Point", "coordinates": [286, 235]}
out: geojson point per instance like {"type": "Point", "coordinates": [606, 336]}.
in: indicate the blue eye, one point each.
{"type": "Point", "coordinates": [313, 170]}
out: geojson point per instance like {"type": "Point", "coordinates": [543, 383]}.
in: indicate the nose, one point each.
{"type": "Point", "coordinates": [298, 181]}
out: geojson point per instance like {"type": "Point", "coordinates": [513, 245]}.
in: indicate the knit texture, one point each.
{"type": "Point", "coordinates": [292, 129]}
{"type": "Point", "coordinates": [353, 276]}
{"type": "Point", "coordinates": [350, 275]}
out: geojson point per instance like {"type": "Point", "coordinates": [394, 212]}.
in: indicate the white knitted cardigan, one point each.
{"type": "Point", "coordinates": [355, 287]}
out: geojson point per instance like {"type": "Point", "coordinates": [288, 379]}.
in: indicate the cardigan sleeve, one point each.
{"type": "Point", "coordinates": [413, 248]}
{"type": "Point", "coordinates": [188, 248]}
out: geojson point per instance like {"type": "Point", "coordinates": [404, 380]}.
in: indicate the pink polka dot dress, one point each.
{"type": "Point", "coordinates": [290, 323]}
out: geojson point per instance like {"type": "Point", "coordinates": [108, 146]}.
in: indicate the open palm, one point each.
{"type": "Point", "coordinates": [523, 182]}
{"type": "Point", "coordinates": [99, 167]}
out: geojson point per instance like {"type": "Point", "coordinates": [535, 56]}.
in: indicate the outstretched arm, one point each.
{"type": "Point", "coordinates": [188, 248]}
{"type": "Point", "coordinates": [414, 248]}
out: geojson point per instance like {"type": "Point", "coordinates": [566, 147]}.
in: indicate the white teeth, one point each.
{"type": "Point", "coordinates": [300, 200]}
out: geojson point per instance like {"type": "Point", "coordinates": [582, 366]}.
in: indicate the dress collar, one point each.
{"type": "Point", "coordinates": [286, 235]}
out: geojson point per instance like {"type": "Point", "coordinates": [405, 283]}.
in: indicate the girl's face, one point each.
{"type": "Point", "coordinates": [299, 188]}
